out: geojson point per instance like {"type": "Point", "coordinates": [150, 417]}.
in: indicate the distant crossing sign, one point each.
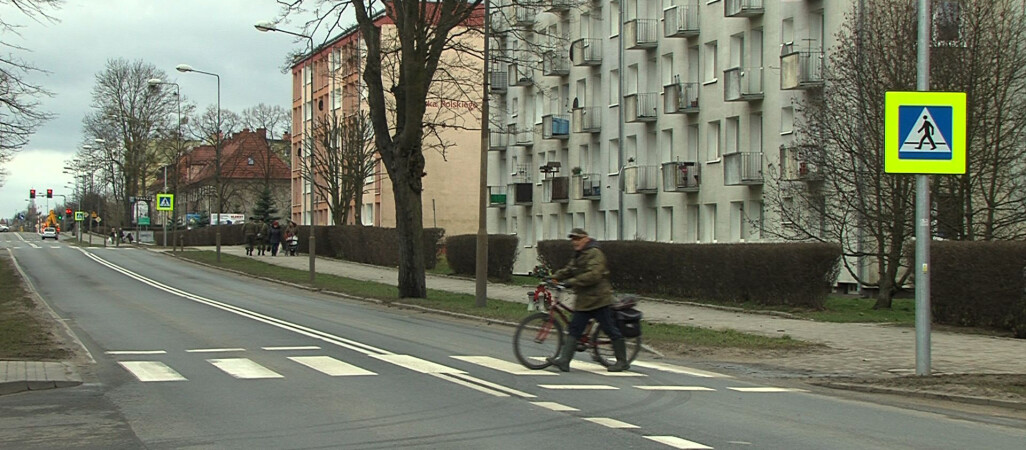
{"type": "Point", "coordinates": [925, 133]}
{"type": "Point", "coordinates": [79, 216]}
{"type": "Point", "coordinates": [165, 202]}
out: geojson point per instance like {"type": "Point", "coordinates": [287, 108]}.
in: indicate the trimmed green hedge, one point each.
{"type": "Point", "coordinates": [980, 284]}
{"type": "Point", "coordinates": [461, 253]}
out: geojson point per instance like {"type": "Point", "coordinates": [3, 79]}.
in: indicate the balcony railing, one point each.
{"type": "Point", "coordinates": [524, 15]}
{"type": "Point", "coordinates": [681, 20]}
{"type": "Point", "coordinates": [523, 136]}
{"type": "Point", "coordinates": [640, 33]}
{"type": "Point", "coordinates": [520, 75]}
{"type": "Point", "coordinates": [641, 179]}
{"type": "Point", "coordinates": [523, 193]}
{"type": "Point", "coordinates": [586, 52]}
{"type": "Point", "coordinates": [556, 126]}
{"type": "Point", "coordinates": [742, 84]}
{"type": "Point", "coordinates": [497, 196]}
{"type": "Point", "coordinates": [586, 186]}
{"type": "Point", "coordinates": [742, 8]}
{"type": "Point", "coordinates": [497, 81]}
{"type": "Point", "coordinates": [555, 63]}
{"type": "Point", "coordinates": [680, 98]}
{"type": "Point", "coordinates": [558, 6]}
{"type": "Point", "coordinates": [641, 107]}
{"type": "Point", "coordinates": [556, 189]}
{"type": "Point", "coordinates": [800, 69]}
{"type": "Point", "coordinates": [681, 176]}
{"type": "Point", "coordinates": [742, 169]}
{"type": "Point", "coordinates": [498, 140]}
{"type": "Point", "coordinates": [801, 163]}
{"type": "Point", "coordinates": [587, 119]}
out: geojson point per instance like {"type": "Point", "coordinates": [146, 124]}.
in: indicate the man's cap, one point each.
{"type": "Point", "coordinates": [578, 233]}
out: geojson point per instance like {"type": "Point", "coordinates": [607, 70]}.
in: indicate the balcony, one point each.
{"type": "Point", "coordinates": [556, 189]}
{"type": "Point", "coordinates": [680, 98]}
{"type": "Point", "coordinates": [681, 20]}
{"type": "Point", "coordinates": [742, 8]}
{"type": "Point", "coordinates": [499, 23]}
{"type": "Point", "coordinates": [557, 6]}
{"type": "Point", "coordinates": [555, 126]}
{"type": "Point", "coordinates": [586, 186]}
{"type": "Point", "coordinates": [586, 52]}
{"type": "Point", "coordinates": [587, 119]}
{"type": "Point", "coordinates": [522, 136]}
{"type": "Point", "coordinates": [497, 81]}
{"type": "Point", "coordinates": [641, 107]}
{"type": "Point", "coordinates": [498, 140]}
{"type": "Point", "coordinates": [497, 196]}
{"type": "Point", "coordinates": [800, 69]}
{"type": "Point", "coordinates": [681, 176]}
{"type": "Point", "coordinates": [742, 169]}
{"type": "Point", "coordinates": [641, 179]}
{"type": "Point", "coordinates": [742, 84]}
{"type": "Point", "coordinates": [521, 185]}
{"type": "Point", "coordinates": [523, 16]}
{"type": "Point", "coordinates": [640, 34]}
{"type": "Point", "coordinates": [802, 162]}
{"type": "Point", "coordinates": [555, 63]}
{"type": "Point", "coordinates": [520, 75]}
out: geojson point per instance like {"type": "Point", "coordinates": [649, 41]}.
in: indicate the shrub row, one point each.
{"type": "Point", "coordinates": [461, 253]}
{"type": "Point", "coordinates": [370, 245]}
{"type": "Point", "coordinates": [770, 274]}
{"type": "Point", "coordinates": [980, 284]}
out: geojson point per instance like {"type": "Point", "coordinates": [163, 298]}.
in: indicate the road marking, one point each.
{"type": "Point", "coordinates": [416, 364]}
{"type": "Point", "coordinates": [676, 442]}
{"type": "Point", "coordinates": [452, 378]}
{"type": "Point", "coordinates": [147, 371]}
{"type": "Point", "coordinates": [305, 347]}
{"type": "Point", "coordinates": [765, 389]}
{"type": "Point", "coordinates": [554, 406]}
{"type": "Point", "coordinates": [489, 384]}
{"type": "Point", "coordinates": [504, 366]}
{"type": "Point", "coordinates": [136, 352]}
{"type": "Point", "coordinates": [330, 366]}
{"type": "Point", "coordinates": [679, 369]}
{"type": "Point", "coordinates": [611, 423]}
{"type": "Point", "coordinates": [579, 387]}
{"type": "Point", "coordinates": [244, 368]}
{"type": "Point", "coordinates": [601, 370]}
{"type": "Point", "coordinates": [674, 388]}
{"type": "Point", "coordinates": [215, 350]}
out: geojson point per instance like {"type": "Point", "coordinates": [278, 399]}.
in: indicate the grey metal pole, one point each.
{"type": "Point", "coordinates": [620, 117]}
{"type": "Point", "coordinates": [481, 262]}
{"type": "Point", "coordinates": [922, 222]}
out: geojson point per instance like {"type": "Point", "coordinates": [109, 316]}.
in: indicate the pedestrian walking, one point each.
{"type": "Point", "coordinates": [274, 237]}
{"type": "Point", "coordinates": [250, 230]}
{"type": "Point", "coordinates": [262, 237]}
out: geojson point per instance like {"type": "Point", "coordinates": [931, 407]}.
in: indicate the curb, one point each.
{"type": "Point", "coordinates": [923, 394]}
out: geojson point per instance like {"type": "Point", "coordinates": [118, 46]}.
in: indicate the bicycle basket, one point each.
{"type": "Point", "coordinates": [629, 322]}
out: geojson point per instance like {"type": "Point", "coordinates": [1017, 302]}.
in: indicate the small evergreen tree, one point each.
{"type": "Point", "coordinates": [265, 208]}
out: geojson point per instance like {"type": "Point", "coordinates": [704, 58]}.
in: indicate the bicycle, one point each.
{"type": "Point", "coordinates": [540, 335]}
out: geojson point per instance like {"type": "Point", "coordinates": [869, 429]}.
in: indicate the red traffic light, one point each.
{"type": "Point", "coordinates": [32, 193]}
{"type": "Point", "coordinates": [67, 211]}
{"type": "Point", "coordinates": [49, 193]}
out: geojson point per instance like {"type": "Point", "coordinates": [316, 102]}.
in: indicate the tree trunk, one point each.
{"type": "Point", "coordinates": [409, 225]}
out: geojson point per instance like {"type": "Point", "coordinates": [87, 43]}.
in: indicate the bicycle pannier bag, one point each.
{"type": "Point", "coordinates": [629, 322]}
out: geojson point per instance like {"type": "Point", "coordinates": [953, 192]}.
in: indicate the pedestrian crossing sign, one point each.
{"type": "Point", "coordinates": [925, 133]}
{"type": "Point", "coordinates": [165, 202]}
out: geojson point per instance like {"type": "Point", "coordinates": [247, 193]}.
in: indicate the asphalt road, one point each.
{"type": "Point", "coordinates": [189, 357]}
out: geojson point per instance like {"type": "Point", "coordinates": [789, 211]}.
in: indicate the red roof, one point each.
{"type": "Point", "coordinates": [245, 155]}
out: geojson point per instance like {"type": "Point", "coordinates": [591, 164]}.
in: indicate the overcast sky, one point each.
{"type": "Point", "coordinates": [210, 35]}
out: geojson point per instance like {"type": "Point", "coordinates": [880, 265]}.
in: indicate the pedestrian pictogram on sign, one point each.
{"type": "Point", "coordinates": [925, 133]}
{"type": "Point", "coordinates": [924, 128]}
{"type": "Point", "coordinates": [165, 202]}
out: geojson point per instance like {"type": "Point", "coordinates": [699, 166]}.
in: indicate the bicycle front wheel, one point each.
{"type": "Point", "coordinates": [602, 348]}
{"type": "Point", "coordinates": [538, 336]}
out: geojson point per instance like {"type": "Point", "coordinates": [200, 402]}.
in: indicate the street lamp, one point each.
{"type": "Point", "coordinates": [266, 26]}
{"type": "Point", "coordinates": [155, 84]}
{"type": "Point", "coordinates": [217, 156]}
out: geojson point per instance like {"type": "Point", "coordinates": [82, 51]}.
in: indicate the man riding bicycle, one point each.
{"type": "Point", "coordinates": [588, 275]}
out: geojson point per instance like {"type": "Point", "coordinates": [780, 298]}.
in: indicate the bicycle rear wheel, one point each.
{"type": "Point", "coordinates": [602, 348]}
{"type": "Point", "coordinates": [538, 336]}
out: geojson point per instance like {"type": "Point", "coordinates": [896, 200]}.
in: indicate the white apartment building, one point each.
{"type": "Point", "coordinates": [656, 120]}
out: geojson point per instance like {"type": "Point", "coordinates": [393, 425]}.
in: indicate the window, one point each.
{"type": "Point", "coordinates": [787, 31]}
{"type": "Point", "coordinates": [709, 223]}
{"type": "Point", "coordinates": [947, 23]}
{"type": "Point", "coordinates": [711, 64]}
{"type": "Point", "coordinates": [737, 50]}
{"type": "Point", "coordinates": [692, 154]}
{"type": "Point", "coordinates": [787, 120]}
{"type": "Point", "coordinates": [614, 87]}
{"type": "Point", "coordinates": [614, 19]}
{"type": "Point", "coordinates": [250, 161]}
{"type": "Point", "coordinates": [733, 135]}
{"type": "Point", "coordinates": [712, 141]}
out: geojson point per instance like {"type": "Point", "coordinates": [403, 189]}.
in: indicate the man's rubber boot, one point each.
{"type": "Point", "coordinates": [620, 350]}
{"type": "Point", "coordinates": [566, 354]}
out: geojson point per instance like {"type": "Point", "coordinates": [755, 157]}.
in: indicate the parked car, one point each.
{"type": "Point", "coordinates": [49, 232]}
{"type": "Point", "coordinates": [4, 228]}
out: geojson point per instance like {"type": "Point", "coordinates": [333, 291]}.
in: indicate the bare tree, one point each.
{"type": "Point", "coordinates": [342, 159]}
{"type": "Point", "coordinates": [274, 119]}
{"type": "Point", "coordinates": [20, 113]}
{"type": "Point", "coordinates": [205, 128]}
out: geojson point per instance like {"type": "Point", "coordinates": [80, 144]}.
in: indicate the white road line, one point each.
{"type": "Point", "coordinates": [491, 385]}
{"type": "Point", "coordinates": [601, 370]}
{"type": "Point", "coordinates": [579, 387]}
{"type": "Point", "coordinates": [416, 364]}
{"type": "Point", "coordinates": [765, 389]}
{"type": "Point", "coordinates": [277, 349]}
{"type": "Point", "coordinates": [147, 371]}
{"type": "Point", "coordinates": [215, 350]}
{"type": "Point", "coordinates": [504, 366]}
{"type": "Point", "coordinates": [554, 406]}
{"type": "Point", "coordinates": [135, 352]}
{"type": "Point", "coordinates": [676, 442]}
{"type": "Point", "coordinates": [674, 388]}
{"type": "Point", "coordinates": [679, 369]}
{"type": "Point", "coordinates": [330, 366]}
{"type": "Point", "coordinates": [451, 377]}
{"type": "Point", "coordinates": [611, 423]}
{"type": "Point", "coordinates": [244, 368]}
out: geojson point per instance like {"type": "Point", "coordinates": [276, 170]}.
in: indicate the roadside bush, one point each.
{"type": "Point", "coordinates": [980, 284]}
{"type": "Point", "coordinates": [461, 254]}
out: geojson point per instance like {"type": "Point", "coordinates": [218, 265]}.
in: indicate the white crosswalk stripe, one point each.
{"type": "Point", "coordinates": [244, 368]}
{"type": "Point", "coordinates": [504, 366]}
{"type": "Point", "coordinates": [676, 442]}
{"type": "Point", "coordinates": [147, 371]}
{"type": "Point", "coordinates": [330, 366]}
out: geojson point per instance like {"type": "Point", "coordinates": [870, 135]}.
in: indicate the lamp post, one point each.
{"type": "Point", "coordinates": [271, 26]}
{"type": "Point", "coordinates": [155, 84]}
{"type": "Point", "coordinates": [217, 155]}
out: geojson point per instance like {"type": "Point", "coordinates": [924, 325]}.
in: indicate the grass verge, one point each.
{"type": "Point", "coordinates": [24, 326]}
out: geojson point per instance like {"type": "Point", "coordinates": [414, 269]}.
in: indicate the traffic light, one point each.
{"type": "Point", "coordinates": [49, 193]}
{"type": "Point", "coordinates": [67, 212]}
{"type": "Point", "coordinates": [32, 193]}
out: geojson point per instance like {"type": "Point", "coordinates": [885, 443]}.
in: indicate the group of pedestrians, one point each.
{"type": "Point", "coordinates": [263, 237]}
